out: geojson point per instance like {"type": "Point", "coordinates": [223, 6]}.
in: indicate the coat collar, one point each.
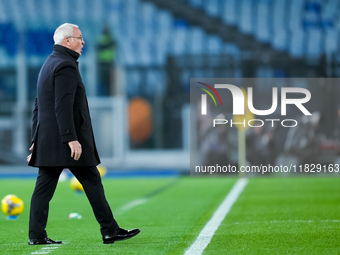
{"type": "Point", "coordinates": [60, 48]}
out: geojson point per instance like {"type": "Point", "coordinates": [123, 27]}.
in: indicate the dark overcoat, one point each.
{"type": "Point", "coordinates": [61, 114]}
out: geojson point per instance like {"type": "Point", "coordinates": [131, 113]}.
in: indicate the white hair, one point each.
{"type": "Point", "coordinates": [63, 31]}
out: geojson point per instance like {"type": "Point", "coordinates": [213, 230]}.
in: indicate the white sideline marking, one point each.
{"type": "Point", "coordinates": [210, 228]}
{"type": "Point", "coordinates": [45, 250]}
{"type": "Point", "coordinates": [130, 205]}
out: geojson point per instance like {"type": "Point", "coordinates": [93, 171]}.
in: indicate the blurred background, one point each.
{"type": "Point", "coordinates": [139, 56]}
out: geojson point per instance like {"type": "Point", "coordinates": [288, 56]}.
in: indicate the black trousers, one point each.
{"type": "Point", "coordinates": [45, 186]}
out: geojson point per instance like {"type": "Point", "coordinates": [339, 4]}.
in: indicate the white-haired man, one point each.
{"type": "Point", "coordinates": [62, 137]}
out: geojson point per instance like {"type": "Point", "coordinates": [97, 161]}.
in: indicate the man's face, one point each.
{"type": "Point", "coordinates": [76, 41]}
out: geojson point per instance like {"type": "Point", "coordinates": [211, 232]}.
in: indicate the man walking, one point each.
{"type": "Point", "coordinates": [62, 137]}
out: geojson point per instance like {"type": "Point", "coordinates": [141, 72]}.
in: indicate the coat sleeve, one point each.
{"type": "Point", "coordinates": [34, 120]}
{"type": "Point", "coordinates": [66, 81]}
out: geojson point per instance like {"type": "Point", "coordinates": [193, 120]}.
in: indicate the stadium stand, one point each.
{"type": "Point", "coordinates": [155, 37]}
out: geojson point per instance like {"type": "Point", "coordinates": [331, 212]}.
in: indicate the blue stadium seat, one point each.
{"type": "Point", "coordinates": [246, 20]}
{"type": "Point", "coordinates": [10, 38]}
{"type": "Point", "coordinates": [297, 43]}
{"type": "Point", "coordinates": [2, 34]}
{"type": "Point", "coordinates": [164, 22]}
{"type": "Point", "coordinates": [263, 21]}
{"type": "Point", "coordinates": [279, 24]}
{"type": "Point", "coordinates": [39, 42]}
{"type": "Point", "coordinates": [312, 14]}
{"type": "Point", "coordinates": [179, 37]}
{"type": "Point", "coordinates": [295, 11]}
{"type": "Point", "coordinates": [331, 40]}
{"type": "Point", "coordinates": [196, 3]}
{"type": "Point", "coordinates": [231, 49]}
{"type": "Point", "coordinates": [214, 45]}
{"type": "Point", "coordinates": [143, 50]}
{"type": "Point", "coordinates": [212, 7]}
{"type": "Point", "coordinates": [159, 51]}
{"type": "Point", "coordinates": [196, 40]}
{"type": "Point", "coordinates": [229, 11]}
{"type": "Point", "coordinates": [4, 13]}
{"type": "Point", "coordinates": [155, 82]}
{"type": "Point", "coordinates": [133, 81]}
{"type": "Point", "coordinates": [314, 42]}
{"type": "Point", "coordinates": [126, 54]}
{"type": "Point", "coordinates": [329, 14]}
{"type": "Point", "coordinates": [148, 15]}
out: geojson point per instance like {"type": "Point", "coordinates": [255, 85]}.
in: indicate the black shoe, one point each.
{"type": "Point", "coordinates": [121, 235]}
{"type": "Point", "coordinates": [36, 241]}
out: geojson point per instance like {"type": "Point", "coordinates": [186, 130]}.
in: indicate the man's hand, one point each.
{"type": "Point", "coordinates": [76, 151]}
{"type": "Point", "coordinates": [30, 156]}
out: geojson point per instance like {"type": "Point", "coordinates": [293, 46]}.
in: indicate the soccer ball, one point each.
{"type": "Point", "coordinates": [11, 205]}
{"type": "Point", "coordinates": [102, 170]}
{"type": "Point", "coordinates": [76, 185]}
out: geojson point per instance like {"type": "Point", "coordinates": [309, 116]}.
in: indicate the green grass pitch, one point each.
{"type": "Point", "coordinates": [271, 216]}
